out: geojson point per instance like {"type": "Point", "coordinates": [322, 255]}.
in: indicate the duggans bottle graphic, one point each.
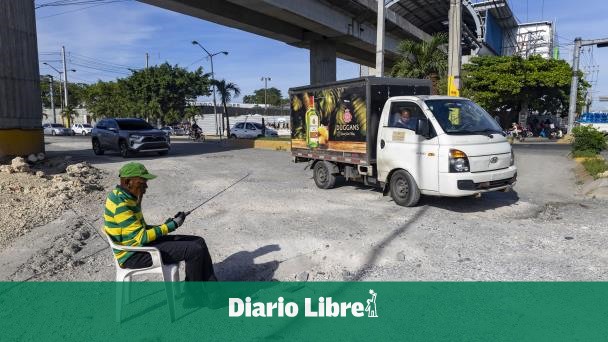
{"type": "Point", "coordinates": [312, 125]}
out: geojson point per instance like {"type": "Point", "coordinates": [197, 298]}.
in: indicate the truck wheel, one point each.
{"type": "Point", "coordinates": [323, 176]}
{"type": "Point", "coordinates": [97, 147]}
{"type": "Point", "coordinates": [403, 188]}
{"type": "Point", "coordinates": [124, 149]}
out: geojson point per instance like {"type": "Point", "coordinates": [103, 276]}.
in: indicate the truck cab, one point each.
{"type": "Point", "coordinates": [442, 146]}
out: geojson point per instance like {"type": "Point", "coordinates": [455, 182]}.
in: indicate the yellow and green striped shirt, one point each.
{"type": "Point", "coordinates": [125, 224]}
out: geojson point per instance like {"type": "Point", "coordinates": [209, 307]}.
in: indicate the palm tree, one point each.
{"type": "Point", "coordinates": [426, 59]}
{"type": "Point", "coordinates": [226, 90]}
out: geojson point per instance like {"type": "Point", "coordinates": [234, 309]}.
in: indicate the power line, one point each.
{"type": "Point", "coordinates": [96, 60]}
{"type": "Point", "coordinates": [76, 2]}
{"type": "Point", "coordinates": [79, 9]}
{"type": "Point", "coordinates": [100, 69]}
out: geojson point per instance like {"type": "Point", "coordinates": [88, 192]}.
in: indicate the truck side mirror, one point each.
{"type": "Point", "coordinates": [423, 128]}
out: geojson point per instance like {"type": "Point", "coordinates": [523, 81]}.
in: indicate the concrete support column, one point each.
{"type": "Point", "coordinates": [20, 104]}
{"type": "Point", "coordinates": [322, 61]}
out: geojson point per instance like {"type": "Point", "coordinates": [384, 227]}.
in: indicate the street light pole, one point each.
{"type": "Point", "coordinates": [60, 81]}
{"type": "Point", "coordinates": [52, 98]}
{"type": "Point", "coordinates": [266, 79]}
{"type": "Point", "coordinates": [210, 55]}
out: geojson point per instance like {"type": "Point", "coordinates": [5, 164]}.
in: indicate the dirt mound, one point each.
{"type": "Point", "coordinates": [29, 198]}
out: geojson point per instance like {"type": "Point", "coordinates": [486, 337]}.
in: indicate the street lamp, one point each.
{"type": "Point", "coordinates": [60, 82]}
{"type": "Point", "coordinates": [210, 55]}
{"type": "Point", "coordinates": [265, 80]}
{"type": "Point", "coordinates": [52, 98]}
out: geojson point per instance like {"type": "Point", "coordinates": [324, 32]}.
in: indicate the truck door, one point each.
{"type": "Point", "coordinates": [399, 147]}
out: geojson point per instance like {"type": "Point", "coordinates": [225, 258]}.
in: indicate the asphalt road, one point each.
{"type": "Point", "coordinates": [277, 225]}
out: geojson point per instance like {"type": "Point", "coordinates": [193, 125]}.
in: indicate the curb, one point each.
{"type": "Point", "coordinates": [262, 144]}
{"type": "Point", "coordinates": [597, 188]}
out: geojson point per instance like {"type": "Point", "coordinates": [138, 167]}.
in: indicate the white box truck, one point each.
{"type": "Point", "coordinates": [391, 133]}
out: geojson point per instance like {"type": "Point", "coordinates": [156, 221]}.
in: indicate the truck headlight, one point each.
{"type": "Point", "coordinates": [458, 161]}
{"type": "Point", "coordinates": [512, 158]}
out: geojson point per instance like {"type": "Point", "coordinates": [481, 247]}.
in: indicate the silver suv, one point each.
{"type": "Point", "coordinates": [128, 136]}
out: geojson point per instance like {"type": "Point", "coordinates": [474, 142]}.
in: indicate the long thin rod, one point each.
{"type": "Point", "coordinates": [217, 194]}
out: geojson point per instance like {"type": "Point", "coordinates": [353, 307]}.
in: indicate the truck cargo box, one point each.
{"type": "Point", "coordinates": [339, 121]}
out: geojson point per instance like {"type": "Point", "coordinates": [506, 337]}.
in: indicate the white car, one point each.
{"type": "Point", "coordinates": [251, 130]}
{"type": "Point", "coordinates": [82, 129]}
{"type": "Point", "coordinates": [56, 129]}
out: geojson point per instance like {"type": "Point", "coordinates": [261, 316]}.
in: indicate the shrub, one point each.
{"type": "Point", "coordinates": [595, 166]}
{"type": "Point", "coordinates": [584, 154]}
{"type": "Point", "coordinates": [588, 139]}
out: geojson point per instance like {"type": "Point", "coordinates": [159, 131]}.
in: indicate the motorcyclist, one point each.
{"type": "Point", "coordinates": [195, 131]}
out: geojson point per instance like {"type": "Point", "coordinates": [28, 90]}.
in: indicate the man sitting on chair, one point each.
{"type": "Point", "coordinates": [125, 224]}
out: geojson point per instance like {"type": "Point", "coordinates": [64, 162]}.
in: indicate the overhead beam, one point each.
{"type": "Point", "coordinates": [297, 24]}
{"type": "Point", "coordinates": [391, 16]}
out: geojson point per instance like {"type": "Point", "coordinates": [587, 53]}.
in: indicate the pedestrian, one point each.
{"type": "Point", "coordinates": [125, 224]}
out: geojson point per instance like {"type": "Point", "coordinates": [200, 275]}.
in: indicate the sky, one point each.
{"type": "Point", "coordinates": [103, 41]}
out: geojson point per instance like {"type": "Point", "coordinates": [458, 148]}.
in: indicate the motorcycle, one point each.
{"type": "Point", "coordinates": [196, 135]}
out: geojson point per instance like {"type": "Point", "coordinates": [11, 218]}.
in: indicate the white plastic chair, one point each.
{"type": "Point", "coordinates": [170, 273]}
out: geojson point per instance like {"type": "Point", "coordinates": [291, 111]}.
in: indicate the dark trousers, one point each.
{"type": "Point", "coordinates": [175, 248]}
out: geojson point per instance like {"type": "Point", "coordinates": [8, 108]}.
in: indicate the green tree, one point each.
{"type": "Point", "coordinates": [518, 84]}
{"type": "Point", "coordinates": [106, 99]}
{"type": "Point", "coordinates": [226, 90]}
{"type": "Point", "coordinates": [160, 94]}
{"type": "Point", "coordinates": [423, 59]}
{"type": "Point", "coordinates": [76, 93]}
{"type": "Point", "coordinates": [163, 93]}
{"type": "Point", "coordinates": [273, 97]}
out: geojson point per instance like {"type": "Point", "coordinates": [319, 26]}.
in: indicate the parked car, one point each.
{"type": "Point", "coordinates": [128, 136]}
{"type": "Point", "coordinates": [168, 130]}
{"type": "Point", "coordinates": [56, 129]}
{"type": "Point", "coordinates": [82, 129]}
{"type": "Point", "coordinates": [173, 130]}
{"type": "Point", "coordinates": [251, 130]}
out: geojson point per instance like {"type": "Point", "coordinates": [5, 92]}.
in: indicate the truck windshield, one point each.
{"type": "Point", "coordinates": [462, 117]}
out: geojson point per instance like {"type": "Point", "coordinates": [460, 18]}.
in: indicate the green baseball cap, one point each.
{"type": "Point", "coordinates": [135, 170]}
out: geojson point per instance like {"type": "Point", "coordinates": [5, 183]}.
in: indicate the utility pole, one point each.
{"type": "Point", "coordinates": [380, 40]}
{"type": "Point", "coordinates": [265, 79]}
{"type": "Point", "coordinates": [454, 48]}
{"type": "Point", "coordinates": [65, 85]}
{"type": "Point", "coordinates": [60, 82]}
{"type": "Point", "coordinates": [578, 44]}
{"type": "Point", "coordinates": [147, 57]}
{"type": "Point", "coordinates": [61, 91]}
{"type": "Point", "coordinates": [52, 98]}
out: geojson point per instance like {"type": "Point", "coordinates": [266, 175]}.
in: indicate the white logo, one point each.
{"type": "Point", "coordinates": [371, 305]}
{"type": "Point", "coordinates": [319, 307]}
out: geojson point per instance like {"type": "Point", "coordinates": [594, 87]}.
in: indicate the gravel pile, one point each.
{"type": "Point", "coordinates": [30, 197]}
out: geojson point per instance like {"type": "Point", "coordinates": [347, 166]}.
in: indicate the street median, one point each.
{"type": "Point", "coordinates": [263, 143]}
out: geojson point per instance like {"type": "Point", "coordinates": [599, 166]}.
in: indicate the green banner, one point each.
{"type": "Point", "coordinates": [363, 311]}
